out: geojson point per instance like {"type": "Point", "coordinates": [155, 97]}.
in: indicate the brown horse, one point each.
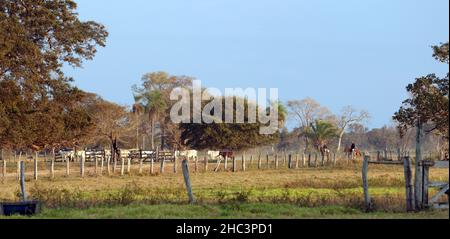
{"type": "Point", "coordinates": [352, 154]}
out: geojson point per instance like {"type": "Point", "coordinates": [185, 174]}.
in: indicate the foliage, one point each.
{"type": "Point", "coordinates": [36, 39]}
{"type": "Point", "coordinates": [230, 136]}
{"type": "Point", "coordinates": [153, 99]}
{"type": "Point", "coordinates": [321, 132]}
{"type": "Point", "coordinates": [429, 101]}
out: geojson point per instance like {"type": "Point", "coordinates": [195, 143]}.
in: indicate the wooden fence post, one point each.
{"type": "Point", "coordinates": [82, 171]}
{"type": "Point", "coordinates": [22, 180]}
{"type": "Point", "coordinates": [290, 163]}
{"type": "Point", "coordinates": [163, 165]}
{"type": "Point", "coordinates": [187, 181]}
{"type": "Point", "coordinates": [309, 160]}
{"type": "Point", "coordinates": [67, 166]}
{"type": "Point", "coordinates": [102, 164]}
{"type": "Point", "coordinates": [378, 156]}
{"type": "Point", "coordinates": [141, 165]}
{"type": "Point", "coordinates": [152, 166]}
{"type": "Point", "coordinates": [96, 166]}
{"type": "Point", "coordinates": [259, 161]}
{"type": "Point", "coordinates": [367, 202]}
{"type": "Point", "coordinates": [277, 162]}
{"type": "Point", "coordinates": [268, 160]}
{"type": "Point", "coordinates": [175, 162]}
{"type": "Point", "coordinates": [409, 184]}
{"type": "Point", "coordinates": [4, 170]}
{"type": "Point", "coordinates": [234, 165]}
{"type": "Point", "coordinates": [251, 161]}
{"type": "Point", "coordinates": [114, 169]}
{"type": "Point", "coordinates": [419, 172]}
{"type": "Point", "coordinates": [303, 160]}
{"type": "Point", "coordinates": [425, 185]}
{"type": "Point", "coordinates": [122, 166]}
{"type": "Point", "coordinates": [226, 163]}
{"type": "Point", "coordinates": [36, 167]}
{"type": "Point", "coordinates": [206, 164]}
{"type": "Point", "coordinates": [52, 169]}
{"type": "Point", "coordinates": [334, 159]}
{"type": "Point", "coordinates": [243, 163]}
{"type": "Point", "coordinates": [129, 166]}
{"type": "Point", "coordinates": [297, 161]}
{"type": "Point", "coordinates": [108, 165]}
{"type": "Point", "coordinates": [323, 160]}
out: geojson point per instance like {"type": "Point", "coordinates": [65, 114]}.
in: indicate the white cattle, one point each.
{"type": "Point", "coordinates": [213, 154]}
{"type": "Point", "coordinates": [124, 153]}
{"type": "Point", "coordinates": [187, 153]}
{"type": "Point", "coordinates": [70, 154]}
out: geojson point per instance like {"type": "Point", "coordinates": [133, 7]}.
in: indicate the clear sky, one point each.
{"type": "Point", "coordinates": [349, 52]}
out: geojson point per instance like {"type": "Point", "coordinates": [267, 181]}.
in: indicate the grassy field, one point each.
{"type": "Point", "coordinates": [303, 193]}
{"type": "Point", "coordinates": [229, 211]}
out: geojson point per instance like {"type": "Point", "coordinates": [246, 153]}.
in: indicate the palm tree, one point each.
{"type": "Point", "coordinates": [321, 132]}
{"type": "Point", "coordinates": [138, 110]}
{"type": "Point", "coordinates": [155, 106]}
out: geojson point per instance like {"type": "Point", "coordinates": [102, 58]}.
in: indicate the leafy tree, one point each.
{"type": "Point", "coordinates": [230, 136]}
{"type": "Point", "coordinates": [306, 112]}
{"type": "Point", "coordinates": [321, 132]}
{"type": "Point", "coordinates": [113, 124]}
{"type": "Point", "coordinates": [429, 100]}
{"type": "Point", "coordinates": [154, 98]}
{"type": "Point", "coordinates": [36, 39]}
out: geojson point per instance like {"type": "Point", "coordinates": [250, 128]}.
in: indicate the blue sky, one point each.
{"type": "Point", "coordinates": [349, 52]}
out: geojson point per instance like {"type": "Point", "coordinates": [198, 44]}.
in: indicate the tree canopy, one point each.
{"type": "Point", "coordinates": [429, 102]}
{"type": "Point", "coordinates": [36, 39]}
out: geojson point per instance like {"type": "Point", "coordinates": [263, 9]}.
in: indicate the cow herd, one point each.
{"type": "Point", "coordinates": [91, 155]}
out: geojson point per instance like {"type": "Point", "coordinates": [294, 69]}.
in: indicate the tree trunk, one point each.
{"type": "Point", "coordinates": [137, 136]}
{"type": "Point", "coordinates": [163, 132]}
{"type": "Point", "coordinates": [152, 137]}
{"type": "Point", "coordinates": [341, 136]}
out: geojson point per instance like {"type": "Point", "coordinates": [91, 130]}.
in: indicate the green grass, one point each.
{"type": "Point", "coordinates": [229, 211]}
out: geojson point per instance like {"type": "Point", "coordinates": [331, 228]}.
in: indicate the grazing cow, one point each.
{"type": "Point", "coordinates": [124, 153]}
{"type": "Point", "coordinates": [187, 153]}
{"type": "Point", "coordinates": [213, 154]}
{"type": "Point", "coordinates": [71, 156]}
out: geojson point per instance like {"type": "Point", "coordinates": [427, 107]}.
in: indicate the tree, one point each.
{"type": "Point", "coordinates": [36, 39]}
{"type": "Point", "coordinates": [154, 97]}
{"type": "Point", "coordinates": [113, 124]}
{"type": "Point", "coordinates": [67, 113]}
{"type": "Point", "coordinates": [321, 132]}
{"type": "Point", "coordinates": [349, 116]}
{"type": "Point", "coordinates": [307, 111]}
{"type": "Point", "coordinates": [428, 104]}
{"type": "Point", "coordinates": [429, 101]}
{"type": "Point", "coordinates": [230, 136]}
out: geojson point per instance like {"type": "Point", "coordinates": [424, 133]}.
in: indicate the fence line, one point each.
{"type": "Point", "coordinates": [49, 166]}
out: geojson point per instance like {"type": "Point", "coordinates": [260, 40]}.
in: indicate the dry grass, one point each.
{"type": "Point", "coordinates": [308, 187]}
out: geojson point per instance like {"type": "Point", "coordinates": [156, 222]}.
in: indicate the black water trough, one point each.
{"type": "Point", "coordinates": [20, 208]}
